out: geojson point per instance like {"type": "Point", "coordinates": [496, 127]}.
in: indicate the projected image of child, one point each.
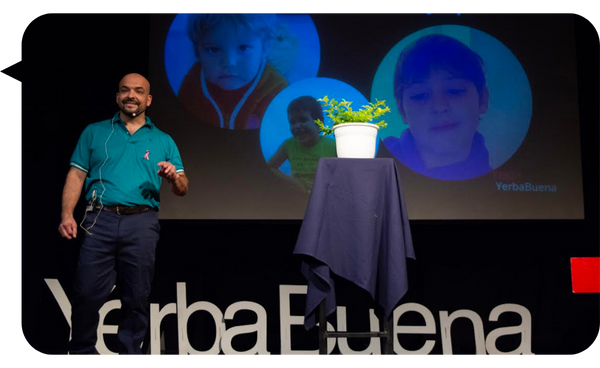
{"type": "Point", "coordinates": [307, 145]}
{"type": "Point", "coordinates": [235, 77]}
{"type": "Point", "coordinates": [440, 89]}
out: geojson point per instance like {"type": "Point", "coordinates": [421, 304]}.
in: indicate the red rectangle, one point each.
{"type": "Point", "coordinates": [585, 274]}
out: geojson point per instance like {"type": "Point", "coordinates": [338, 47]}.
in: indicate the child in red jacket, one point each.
{"type": "Point", "coordinates": [235, 79]}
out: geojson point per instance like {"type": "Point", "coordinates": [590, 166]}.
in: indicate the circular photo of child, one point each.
{"type": "Point", "coordinates": [226, 68]}
{"type": "Point", "coordinates": [291, 141]}
{"type": "Point", "coordinates": [461, 102]}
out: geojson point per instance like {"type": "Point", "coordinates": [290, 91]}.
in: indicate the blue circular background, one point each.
{"type": "Point", "coordinates": [275, 128]}
{"type": "Point", "coordinates": [506, 123]}
{"type": "Point", "coordinates": [179, 51]}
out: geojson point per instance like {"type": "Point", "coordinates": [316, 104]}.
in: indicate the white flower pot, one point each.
{"type": "Point", "coordinates": [355, 140]}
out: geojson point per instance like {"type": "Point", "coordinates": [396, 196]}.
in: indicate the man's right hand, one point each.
{"type": "Point", "coordinates": [71, 192]}
{"type": "Point", "coordinates": [68, 228]}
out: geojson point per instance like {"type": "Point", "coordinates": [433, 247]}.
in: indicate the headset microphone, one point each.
{"type": "Point", "coordinates": [137, 113]}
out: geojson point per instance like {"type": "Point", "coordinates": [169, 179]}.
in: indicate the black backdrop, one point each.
{"type": "Point", "coordinates": [70, 69]}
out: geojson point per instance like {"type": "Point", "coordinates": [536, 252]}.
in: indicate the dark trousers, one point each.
{"type": "Point", "coordinates": [121, 251]}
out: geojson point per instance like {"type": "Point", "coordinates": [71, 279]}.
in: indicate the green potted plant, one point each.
{"type": "Point", "coordinates": [355, 130]}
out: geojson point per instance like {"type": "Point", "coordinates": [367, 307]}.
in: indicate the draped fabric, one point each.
{"type": "Point", "coordinates": [356, 227]}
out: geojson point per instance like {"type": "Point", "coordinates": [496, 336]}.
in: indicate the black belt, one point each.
{"type": "Point", "coordinates": [126, 210]}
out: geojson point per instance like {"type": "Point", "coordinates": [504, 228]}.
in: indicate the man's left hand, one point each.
{"type": "Point", "coordinates": [167, 171]}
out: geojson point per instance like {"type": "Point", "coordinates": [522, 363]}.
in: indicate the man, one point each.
{"type": "Point", "coordinates": [121, 162]}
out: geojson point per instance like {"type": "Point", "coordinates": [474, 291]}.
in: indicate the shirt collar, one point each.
{"type": "Point", "coordinates": [117, 119]}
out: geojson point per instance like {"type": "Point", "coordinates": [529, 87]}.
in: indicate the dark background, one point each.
{"type": "Point", "coordinates": [70, 71]}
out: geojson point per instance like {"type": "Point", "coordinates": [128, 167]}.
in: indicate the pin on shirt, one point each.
{"type": "Point", "coordinates": [147, 155]}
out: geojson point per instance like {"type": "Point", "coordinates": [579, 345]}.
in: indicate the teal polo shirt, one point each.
{"type": "Point", "coordinates": [122, 168]}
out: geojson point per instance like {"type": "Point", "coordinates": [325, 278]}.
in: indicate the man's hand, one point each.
{"type": "Point", "coordinates": [71, 192]}
{"type": "Point", "coordinates": [179, 182]}
{"type": "Point", "coordinates": [167, 171]}
{"type": "Point", "coordinates": [68, 228]}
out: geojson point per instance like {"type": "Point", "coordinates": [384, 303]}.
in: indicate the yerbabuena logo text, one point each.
{"type": "Point", "coordinates": [525, 187]}
{"type": "Point", "coordinates": [483, 344]}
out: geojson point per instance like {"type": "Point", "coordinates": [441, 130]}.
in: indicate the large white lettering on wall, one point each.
{"type": "Point", "coordinates": [183, 309]}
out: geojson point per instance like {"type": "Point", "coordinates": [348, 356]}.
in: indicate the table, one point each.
{"type": "Point", "coordinates": [355, 226]}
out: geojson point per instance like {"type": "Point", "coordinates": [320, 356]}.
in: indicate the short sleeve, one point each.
{"type": "Point", "coordinates": [81, 156]}
{"type": "Point", "coordinates": [173, 155]}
